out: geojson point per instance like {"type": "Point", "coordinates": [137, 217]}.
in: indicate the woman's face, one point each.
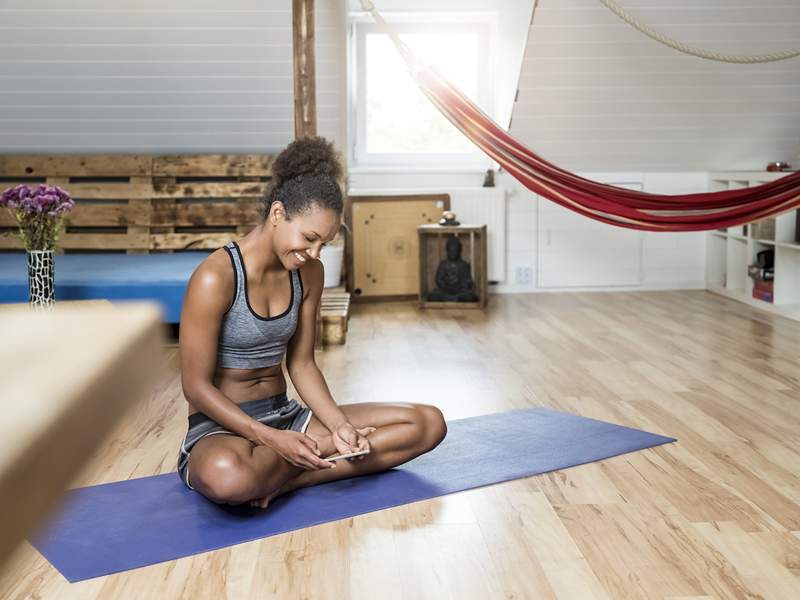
{"type": "Point", "coordinates": [301, 239]}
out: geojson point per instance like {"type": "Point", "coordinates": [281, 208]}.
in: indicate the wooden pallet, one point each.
{"type": "Point", "coordinates": [333, 316]}
{"type": "Point", "coordinates": [142, 204]}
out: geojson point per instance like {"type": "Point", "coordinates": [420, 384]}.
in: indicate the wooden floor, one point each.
{"type": "Point", "coordinates": [716, 515]}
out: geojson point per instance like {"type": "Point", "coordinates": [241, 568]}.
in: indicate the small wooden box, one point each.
{"type": "Point", "coordinates": [763, 229]}
{"type": "Point", "coordinates": [332, 318]}
{"type": "Point", "coordinates": [432, 251]}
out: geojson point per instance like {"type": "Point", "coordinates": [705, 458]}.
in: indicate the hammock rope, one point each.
{"type": "Point", "coordinates": [692, 50]}
{"type": "Point", "coordinates": [609, 204]}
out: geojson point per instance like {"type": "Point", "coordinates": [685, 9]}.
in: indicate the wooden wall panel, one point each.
{"type": "Point", "coordinates": [146, 203]}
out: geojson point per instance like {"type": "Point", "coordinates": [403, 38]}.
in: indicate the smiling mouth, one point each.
{"type": "Point", "coordinates": [299, 257]}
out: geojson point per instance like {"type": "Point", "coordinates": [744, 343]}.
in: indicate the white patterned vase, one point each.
{"type": "Point", "coordinates": [41, 279]}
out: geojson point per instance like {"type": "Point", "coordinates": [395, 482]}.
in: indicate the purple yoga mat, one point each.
{"type": "Point", "coordinates": [114, 527]}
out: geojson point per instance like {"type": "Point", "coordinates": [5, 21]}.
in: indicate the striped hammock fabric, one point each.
{"type": "Point", "coordinates": [613, 205]}
{"type": "Point", "coordinates": [616, 206]}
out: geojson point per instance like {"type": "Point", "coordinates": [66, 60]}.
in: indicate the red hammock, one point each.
{"type": "Point", "coordinates": [613, 205]}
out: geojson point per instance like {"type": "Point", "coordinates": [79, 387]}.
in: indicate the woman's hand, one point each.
{"type": "Point", "coordinates": [297, 448]}
{"type": "Point", "coordinates": [347, 439]}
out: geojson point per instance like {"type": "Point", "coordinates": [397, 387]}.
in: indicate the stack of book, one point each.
{"type": "Point", "coordinates": [763, 280]}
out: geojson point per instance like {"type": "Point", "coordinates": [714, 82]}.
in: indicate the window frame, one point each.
{"type": "Point", "coordinates": [484, 25]}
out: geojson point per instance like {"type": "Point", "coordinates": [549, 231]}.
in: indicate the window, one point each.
{"type": "Point", "coordinates": [392, 122]}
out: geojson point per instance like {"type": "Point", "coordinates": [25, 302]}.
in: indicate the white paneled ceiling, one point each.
{"type": "Point", "coordinates": [162, 77]}
{"type": "Point", "coordinates": [597, 95]}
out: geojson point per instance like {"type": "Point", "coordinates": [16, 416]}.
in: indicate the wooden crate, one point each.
{"type": "Point", "coordinates": [432, 244]}
{"type": "Point", "coordinates": [141, 204]}
{"type": "Point", "coordinates": [333, 316]}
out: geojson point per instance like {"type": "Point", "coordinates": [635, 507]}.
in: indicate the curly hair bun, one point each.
{"type": "Point", "coordinates": [307, 156]}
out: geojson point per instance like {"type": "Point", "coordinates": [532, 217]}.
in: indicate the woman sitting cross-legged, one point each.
{"type": "Point", "coordinates": [246, 306]}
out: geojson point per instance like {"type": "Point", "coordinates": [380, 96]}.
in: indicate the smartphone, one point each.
{"type": "Point", "coordinates": [341, 456]}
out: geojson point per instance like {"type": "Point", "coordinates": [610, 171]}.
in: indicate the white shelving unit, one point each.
{"type": "Point", "coordinates": [729, 252]}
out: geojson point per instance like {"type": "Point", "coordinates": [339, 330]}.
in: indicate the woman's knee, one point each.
{"type": "Point", "coordinates": [433, 427]}
{"type": "Point", "coordinates": [224, 476]}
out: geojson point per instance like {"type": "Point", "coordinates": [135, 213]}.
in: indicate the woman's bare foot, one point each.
{"type": "Point", "coordinates": [264, 502]}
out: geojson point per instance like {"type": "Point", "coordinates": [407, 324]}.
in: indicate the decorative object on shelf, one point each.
{"type": "Point", "coordinates": [488, 181]}
{"type": "Point", "coordinates": [453, 277]}
{"type": "Point", "coordinates": [763, 289]}
{"type": "Point", "coordinates": [763, 275]}
{"type": "Point", "coordinates": [39, 212]}
{"type": "Point", "coordinates": [758, 272]}
{"type": "Point", "coordinates": [778, 166]}
{"type": "Point", "coordinates": [766, 259]}
{"type": "Point", "coordinates": [763, 229]}
{"type": "Point", "coordinates": [448, 219]}
{"type": "Point", "coordinates": [453, 266]}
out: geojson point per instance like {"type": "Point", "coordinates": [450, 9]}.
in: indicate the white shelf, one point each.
{"type": "Point", "coordinates": [788, 245]}
{"type": "Point", "coordinates": [729, 253]}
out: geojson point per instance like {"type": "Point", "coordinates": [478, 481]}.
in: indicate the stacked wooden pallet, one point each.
{"type": "Point", "coordinates": [333, 316]}
{"type": "Point", "coordinates": [142, 204]}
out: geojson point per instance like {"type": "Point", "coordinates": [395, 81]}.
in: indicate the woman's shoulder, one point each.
{"type": "Point", "coordinates": [214, 275]}
{"type": "Point", "coordinates": [312, 275]}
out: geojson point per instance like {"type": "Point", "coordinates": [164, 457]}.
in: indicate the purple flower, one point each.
{"type": "Point", "coordinates": [43, 198]}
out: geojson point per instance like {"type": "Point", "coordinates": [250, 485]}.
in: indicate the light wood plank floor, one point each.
{"type": "Point", "coordinates": [716, 515]}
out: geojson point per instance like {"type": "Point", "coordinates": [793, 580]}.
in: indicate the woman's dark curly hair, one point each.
{"type": "Point", "coordinates": [305, 173]}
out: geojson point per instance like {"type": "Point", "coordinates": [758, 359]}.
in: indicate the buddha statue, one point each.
{"type": "Point", "coordinates": [453, 277]}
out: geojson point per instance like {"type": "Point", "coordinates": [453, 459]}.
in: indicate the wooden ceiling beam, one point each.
{"type": "Point", "coordinates": [305, 100]}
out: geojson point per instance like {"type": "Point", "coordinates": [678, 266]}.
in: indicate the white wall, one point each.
{"type": "Point", "coordinates": [514, 17]}
{"type": "Point", "coordinates": [669, 260]}
{"type": "Point", "coordinates": [159, 76]}
{"type": "Point", "coordinates": [597, 95]}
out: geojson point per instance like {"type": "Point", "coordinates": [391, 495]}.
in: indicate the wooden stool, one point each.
{"type": "Point", "coordinates": [333, 316]}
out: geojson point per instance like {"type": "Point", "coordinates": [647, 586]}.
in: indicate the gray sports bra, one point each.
{"type": "Point", "coordinates": [248, 340]}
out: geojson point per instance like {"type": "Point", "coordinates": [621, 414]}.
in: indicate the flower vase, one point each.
{"type": "Point", "coordinates": [41, 279]}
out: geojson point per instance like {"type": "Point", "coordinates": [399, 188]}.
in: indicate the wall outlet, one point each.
{"type": "Point", "coordinates": [522, 275]}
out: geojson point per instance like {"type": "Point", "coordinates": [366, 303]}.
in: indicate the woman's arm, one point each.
{"type": "Point", "coordinates": [300, 363]}
{"type": "Point", "coordinates": [208, 296]}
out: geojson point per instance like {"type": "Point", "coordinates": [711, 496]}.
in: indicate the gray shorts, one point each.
{"type": "Point", "coordinates": [276, 411]}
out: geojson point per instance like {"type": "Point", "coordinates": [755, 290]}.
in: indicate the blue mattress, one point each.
{"type": "Point", "coordinates": [115, 277]}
